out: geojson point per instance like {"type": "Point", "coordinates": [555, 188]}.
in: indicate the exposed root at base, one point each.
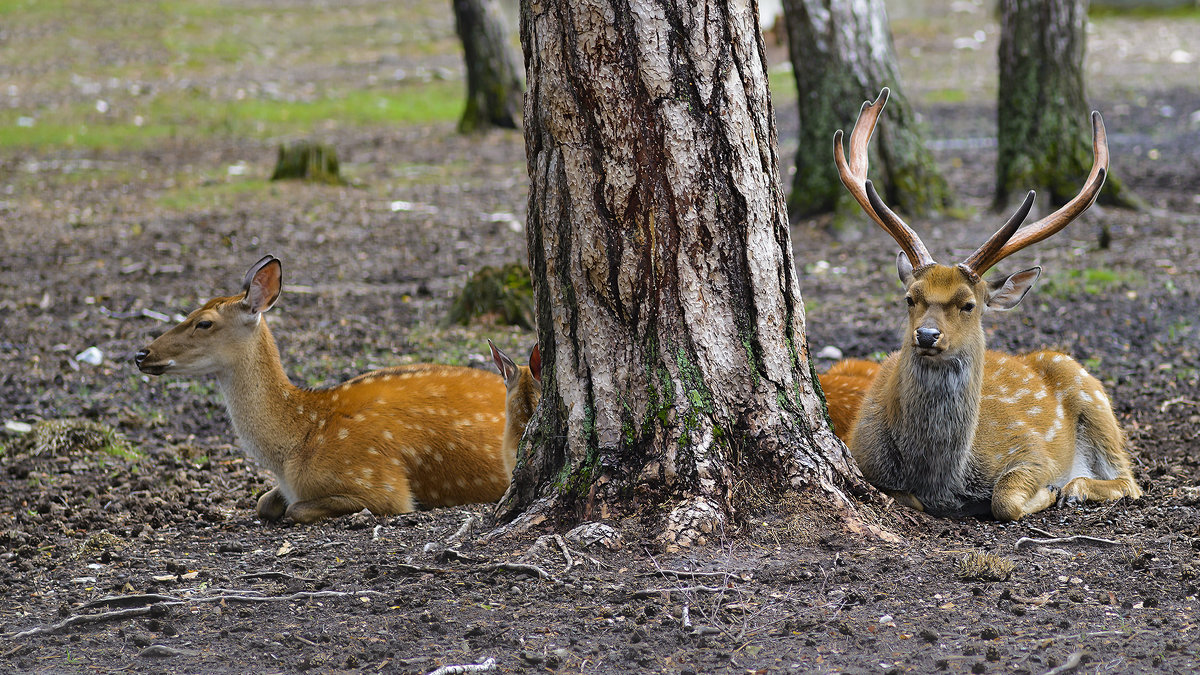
{"type": "Point", "coordinates": [691, 523]}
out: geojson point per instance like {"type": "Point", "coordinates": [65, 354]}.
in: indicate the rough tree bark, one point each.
{"type": "Point", "coordinates": [675, 369]}
{"type": "Point", "coordinates": [494, 87]}
{"type": "Point", "coordinates": [1043, 122]}
{"type": "Point", "coordinates": [842, 55]}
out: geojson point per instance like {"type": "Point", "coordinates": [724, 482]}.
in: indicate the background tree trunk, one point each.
{"type": "Point", "coordinates": [675, 369]}
{"type": "Point", "coordinates": [1043, 122]}
{"type": "Point", "coordinates": [494, 87]}
{"type": "Point", "coordinates": [842, 55]}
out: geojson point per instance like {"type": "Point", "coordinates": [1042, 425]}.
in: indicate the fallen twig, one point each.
{"type": "Point", "coordinates": [418, 569]}
{"type": "Point", "coordinates": [273, 575]}
{"type": "Point", "coordinates": [1176, 401]}
{"type": "Point", "coordinates": [139, 600]}
{"type": "Point", "coordinates": [489, 664]}
{"type": "Point", "coordinates": [455, 554]}
{"type": "Point", "coordinates": [154, 602]}
{"type": "Point", "coordinates": [82, 619]}
{"type": "Point", "coordinates": [1081, 538]}
{"type": "Point", "coordinates": [1072, 663]}
{"type": "Point", "coordinates": [694, 575]}
{"type": "Point", "coordinates": [649, 592]}
{"type": "Point", "coordinates": [562, 545]}
{"type": "Point", "coordinates": [522, 568]}
{"type": "Point", "coordinates": [465, 529]}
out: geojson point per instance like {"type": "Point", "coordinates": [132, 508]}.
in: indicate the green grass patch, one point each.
{"type": "Point", "coordinates": [35, 7]}
{"type": "Point", "coordinates": [946, 95]}
{"type": "Point", "coordinates": [214, 195]}
{"type": "Point", "coordinates": [1089, 281]}
{"type": "Point", "coordinates": [1145, 10]}
{"type": "Point", "coordinates": [783, 84]}
{"type": "Point", "coordinates": [190, 116]}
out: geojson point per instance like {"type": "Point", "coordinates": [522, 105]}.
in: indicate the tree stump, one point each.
{"type": "Point", "coordinates": [312, 162]}
{"type": "Point", "coordinates": [504, 293]}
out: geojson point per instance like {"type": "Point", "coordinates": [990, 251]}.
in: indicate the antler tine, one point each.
{"type": "Point", "coordinates": [854, 176]}
{"type": "Point", "coordinates": [978, 262]}
{"type": "Point", "coordinates": [1046, 227]}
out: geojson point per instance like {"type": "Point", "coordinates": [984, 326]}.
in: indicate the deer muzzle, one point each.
{"type": "Point", "coordinates": [926, 338]}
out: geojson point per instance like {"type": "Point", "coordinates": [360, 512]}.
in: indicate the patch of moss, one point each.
{"type": "Point", "coordinates": [80, 437]}
{"type": "Point", "coordinates": [307, 161]}
{"type": "Point", "coordinates": [1088, 281]}
{"type": "Point", "coordinates": [504, 294]}
{"type": "Point", "coordinates": [984, 566]}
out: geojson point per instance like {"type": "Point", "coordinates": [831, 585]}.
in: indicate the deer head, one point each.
{"type": "Point", "coordinates": [946, 302]}
{"type": "Point", "coordinates": [213, 338]}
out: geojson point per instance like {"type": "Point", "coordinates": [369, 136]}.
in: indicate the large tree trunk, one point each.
{"type": "Point", "coordinates": [1043, 125]}
{"type": "Point", "coordinates": [670, 320]}
{"type": "Point", "coordinates": [494, 85]}
{"type": "Point", "coordinates": [842, 55]}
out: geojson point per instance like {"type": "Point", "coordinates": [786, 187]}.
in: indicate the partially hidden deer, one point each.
{"type": "Point", "coordinates": [845, 385]}
{"type": "Point", "coordinates": [390, 440]}
{"type": "Point", "coordinates": [524, 391]}
{"type": "Point", "coordinates": [953, 429]}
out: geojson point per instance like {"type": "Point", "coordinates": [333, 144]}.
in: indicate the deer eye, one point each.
{"type": "Point", "coordinates": [204, 325]}
{"type": "Point", "coordinates": [968, 307]}
{"type": "Point", "coordinates": [910, 301]}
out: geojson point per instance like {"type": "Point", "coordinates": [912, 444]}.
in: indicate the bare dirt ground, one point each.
{"type": "Point", "coordinates": [147, 556]}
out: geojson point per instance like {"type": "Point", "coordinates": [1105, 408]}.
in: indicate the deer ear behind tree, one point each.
{"type": "Point", "coordinates": [953, 429]}
{"type": "Point", "coordinates": [524, 385]}
{"type": "Point", "coordinates": [390, 440]}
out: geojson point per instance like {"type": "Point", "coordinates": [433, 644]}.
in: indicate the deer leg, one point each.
{"type": "Point", "coordinates": [312, 510]}
{"type": "Point", "coordinates": [1084, 489]}
{"type": "Point", "coordinates": [271, 505]}
{"type": "Point", "coordinates": [1020, 492]}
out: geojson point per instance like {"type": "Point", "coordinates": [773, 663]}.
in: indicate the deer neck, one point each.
{"type": "Point", "coordinates": [262, 402]}
{"type": "Point", "coordinates": [938, 413]}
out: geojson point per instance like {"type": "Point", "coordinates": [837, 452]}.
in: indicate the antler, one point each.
{"type": "Point", "coordinates": [1008, 240]}
{"type": "Point", "coordinates": [854, 177]}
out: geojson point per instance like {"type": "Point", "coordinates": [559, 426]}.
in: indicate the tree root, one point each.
{"type": "Point", "coordinates": [692, 522]}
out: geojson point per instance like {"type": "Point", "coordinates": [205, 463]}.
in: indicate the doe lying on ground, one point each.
{"type": "Point", "coordinates": [953, 429]}
{"type": "Point", "coordinates": [845, 385]}
{"type": "Point", "coordinates": [524, 385]}
{"type": "Point", "coordinates": [389, 440]}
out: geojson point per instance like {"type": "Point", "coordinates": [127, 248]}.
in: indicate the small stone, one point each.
{"type": "Point", "coordinates": [91, 356]}
{"type": "Point", "coordinates": [830, 352]}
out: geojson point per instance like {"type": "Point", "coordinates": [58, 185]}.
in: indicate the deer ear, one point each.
{"type": "Point", "coordinates": [1006, 293]}
{"type": "Point", "coordinates": [263, 284]}
{"type": "Point", "coordinates": [508, 369]}
{"type": "Point", "coordinates": [904, 269]}
{"type": "Point", "coordinates": [535, 362]}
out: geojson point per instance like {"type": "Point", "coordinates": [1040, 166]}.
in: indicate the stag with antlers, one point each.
{"type": "Point", "coordinates": [953, 429]}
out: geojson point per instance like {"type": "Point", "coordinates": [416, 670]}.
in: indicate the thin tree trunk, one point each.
{"type": "Point", "coordinates": [672, 331]}
{"type": "Point", "coordinates": [494, 87]}
{"type": "Point", "coordinates": [1043, 125]}
{"type": "Point", "coordinates": [842, 55]}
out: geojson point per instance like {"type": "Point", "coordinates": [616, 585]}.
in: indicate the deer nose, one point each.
{"type": "Point", "coordinates": [141, 356]}
{"type": "Point", "coordinates": [927, 337]}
